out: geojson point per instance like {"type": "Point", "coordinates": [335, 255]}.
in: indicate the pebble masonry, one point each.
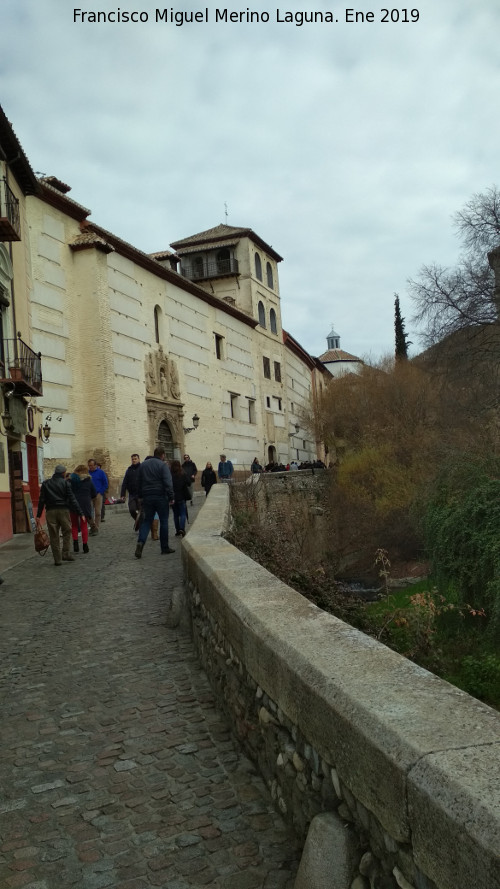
{"type": "Point", "coordinates": [116, 770]}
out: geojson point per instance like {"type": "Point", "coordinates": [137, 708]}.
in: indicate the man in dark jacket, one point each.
{"type": "Point", "coordinates": [131, 484]}
{"type": "Point", "coordinates": [58, 500]}
{"type": "Point", "coordinates": [156, 493]}
{"type": "Point", "coordinates": [191, 470]}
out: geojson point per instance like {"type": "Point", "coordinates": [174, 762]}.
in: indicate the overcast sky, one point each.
{"type": "Point", "coordinates": [346, 146]}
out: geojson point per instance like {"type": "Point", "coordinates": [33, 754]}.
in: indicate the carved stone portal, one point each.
{"type": "Point", "coordinates": [165, 410]}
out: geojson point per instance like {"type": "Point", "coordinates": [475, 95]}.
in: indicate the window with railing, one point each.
{"type": "Point", "coordinates": [10, 218]}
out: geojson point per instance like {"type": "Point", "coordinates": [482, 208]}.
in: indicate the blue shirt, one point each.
{"type": "Point", "coordinates": [99, 480]}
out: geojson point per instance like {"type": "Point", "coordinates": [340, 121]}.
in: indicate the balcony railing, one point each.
{"type": "Point", "coordinates": [10, 220]}
{"type": "Point", "coordinates": [211, 268]}
{"type": "Point", "coordinates": [22, 367]}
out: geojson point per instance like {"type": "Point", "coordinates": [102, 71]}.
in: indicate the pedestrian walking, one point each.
{"type": "Point", "coordinates": [225, 470]}
{"type": "Point", "coordinates": [191, 470]}
{"type": "Point", "coordinates": [208, 478]}
{"type": "Point", "coordinates": [130, 483]}
{"type": "Point", "coordinates": [101, 484]}
{"type": "Point", "coordinates": [85, 492]}
{"type": "Point", "coordinates": [181, 486]}
{"type": "Point", "coordinates": [156, 493]}
{"type": "Point", "coordinates": [57, 498]}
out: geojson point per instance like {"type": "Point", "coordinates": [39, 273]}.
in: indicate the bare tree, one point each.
{"type": "Point", "coordinates": [463, 298]}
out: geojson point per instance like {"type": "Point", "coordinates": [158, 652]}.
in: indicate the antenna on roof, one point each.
{"type": "Point", "coordinates": [225, 210]}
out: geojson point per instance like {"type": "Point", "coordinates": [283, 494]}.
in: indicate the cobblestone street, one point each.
{"type": "Point", "coordinates": [115, 768]}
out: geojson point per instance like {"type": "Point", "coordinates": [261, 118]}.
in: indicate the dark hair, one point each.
{"type": "Point", "coordinates": [175, 467]}
{"type": "Point", "coordinates": [134, 455]}
{"type": "Point", "coordinates": [159, 452]}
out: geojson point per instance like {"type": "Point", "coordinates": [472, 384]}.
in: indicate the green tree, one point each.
{"type": "Point", "coordinates": [402, 342]}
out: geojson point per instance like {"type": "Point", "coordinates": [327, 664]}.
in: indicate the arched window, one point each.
{"type": "Point", "coordinates": [258, 267]}
{"type": "Point", "coordinates": [262, 315]}
{"type": "Point", "coordinates": [165, 439]}
{"type": "Point", "coordinates": [273, 322]}
{"type": "Point", "coordinates": [269, 274]}
{"type": "Point", "coordinates": [157, 324]}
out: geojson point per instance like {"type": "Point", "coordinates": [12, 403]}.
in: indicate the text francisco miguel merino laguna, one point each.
{"type": "Point", "coordinates": [180, 17]}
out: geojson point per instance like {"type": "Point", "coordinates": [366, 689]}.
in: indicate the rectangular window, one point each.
{"type": "Point", "coordinates": [276, 403]}
{"type": "Point", "coordinates": [267, 368]}
{"type": "Point", "coordinates": [251, 411]}
{"type": "Point", "coordinates": [277, 371]}
{"type": "Point", "coordinates": [268, 401]}
{"type": "Point", "coordinates": [234, 405]}
{"type": "Point", "coordinates": [219, 346]}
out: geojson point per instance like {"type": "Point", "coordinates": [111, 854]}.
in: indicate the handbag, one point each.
{"type": "Point", "coordinates": [42, 541]}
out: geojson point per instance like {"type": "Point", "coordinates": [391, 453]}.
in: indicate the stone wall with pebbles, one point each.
{"type": "Point", "coordinates": [406, 765]}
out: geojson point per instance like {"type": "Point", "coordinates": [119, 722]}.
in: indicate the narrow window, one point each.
{"type": "Point", "coordinates": [157, 324]}
{"type": "Point", "coordinates": [219, 346]}
{"type": "Point", "coordinates": [262, 315]}
{"type": "Point", "coordinates": [273, 322]}
{"type": "Point", "coordinates": [198, 267]}
{"type": "Point", "coordinates": [268, 401]}
{"type": "Point", "coordinates": [251, 411]}
{"type": "Point", "coordinates": [277, 371]}
{"type": "Point", "coordinates": [269, 274]}
{"type": "Point", "coordinates": [258, 267]}
{"type": "Point", "coordinates": [234, 405]}
{"type": "Point", "coordinates": [267, 367]}
{"type": "Point", "coordinates": [223, 261]}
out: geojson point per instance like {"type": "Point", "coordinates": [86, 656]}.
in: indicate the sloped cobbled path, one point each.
{"type": "Point", "coordinates": [116, 770]}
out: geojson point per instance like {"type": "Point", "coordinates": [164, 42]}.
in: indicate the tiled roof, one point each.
{"type": "Point", "coordinates": [218, 232]}
{"type": "Point", "coordinates": [213, 245]}
{"type": "Point", "coordinates": [337, 355]}
{"type": "Point", "coordinates": [56, 183]}
{"type": "Point", "coordinates": [91, 239]}
{"type": "Point", "coordinates": [18, 161]}
{"type": "Point", "coordinates": [161, 254]}
{"type": "Point", "coordinates": [223, 233]}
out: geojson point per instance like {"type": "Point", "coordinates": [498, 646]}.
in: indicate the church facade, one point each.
{"type": "Point", "coordinates": [183, 348]}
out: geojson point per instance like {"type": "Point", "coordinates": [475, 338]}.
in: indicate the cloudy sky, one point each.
{"type": "Point", "coordinates": [347, 146]}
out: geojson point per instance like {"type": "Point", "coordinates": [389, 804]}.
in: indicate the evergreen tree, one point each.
{"type": "Point", "coordinates": [402, 341]}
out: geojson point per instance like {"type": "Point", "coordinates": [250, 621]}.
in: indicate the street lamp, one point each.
{"type": "Point", "coordinates": [196, 423]}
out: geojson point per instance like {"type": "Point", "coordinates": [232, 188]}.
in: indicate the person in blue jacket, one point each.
{"type": "Point", "coordinates": [101, 484]}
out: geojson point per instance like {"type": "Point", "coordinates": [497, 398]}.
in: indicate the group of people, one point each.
{"type": "Point", "coordinates": [153, 487]}
{"type": "Point", "coordinates": [273, 466]}
{"type": "Point", "coordinates": [74, 504]}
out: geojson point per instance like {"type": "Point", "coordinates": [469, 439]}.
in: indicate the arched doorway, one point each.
{"type": "Point", "coordinates": [271, 454]}
{"type": "Point", "coordinates": [165, 439]}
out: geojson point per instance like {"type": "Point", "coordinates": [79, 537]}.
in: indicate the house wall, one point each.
{"type": "Point", "coordinates": [94, 322]}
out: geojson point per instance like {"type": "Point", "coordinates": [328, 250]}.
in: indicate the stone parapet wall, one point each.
{"type": "Point", "coordinates": [337, 722]}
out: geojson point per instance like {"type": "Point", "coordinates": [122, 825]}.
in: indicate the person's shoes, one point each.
{"type": "Point", "coordinates": [76, 548]}
{"type": "Point", "coordinates": [102, 520]}
{"type": "Point", "coordinates": [67, 557]}
{"type": "Point", "coordinates": [182, 533]}
{"type": "Point", "coordinates": [167, 551]}
{"type": "Point", "coordinates": [138, 550]}
{"type": "Point", "coordinates": [93, 532]}
{"type": "Point", "coordinates": [85, 547]}
{"type": "Point", "coordinates": [58, 562]}
{"type": "Point", "coordinates": [177, 533]}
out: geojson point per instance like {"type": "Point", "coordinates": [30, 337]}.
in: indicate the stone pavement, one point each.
{"type": "Point", "coordinates": [116, 770]}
